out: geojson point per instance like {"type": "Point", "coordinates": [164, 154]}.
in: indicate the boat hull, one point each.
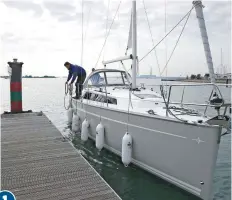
{"type": "Point", "coordinates": [180, 153]}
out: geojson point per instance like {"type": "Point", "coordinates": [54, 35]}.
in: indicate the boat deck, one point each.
{"type": "Point", "coordinates": [38, 163]}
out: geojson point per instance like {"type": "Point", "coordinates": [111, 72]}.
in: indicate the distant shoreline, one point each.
{"type": "Point", "coordinates": [205, 80]}
{"type": "Point", "coordinates": [45, 76]}
{"type": "Point", "coordinates": [7, 77]}
{"type": "Point", "coordinates": [39, 77]}
{"type": "Point", "coordinates": [30, 77]}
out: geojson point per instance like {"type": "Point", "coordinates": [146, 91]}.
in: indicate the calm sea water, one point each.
{"type": "Point", "coordinates": [131, 183]}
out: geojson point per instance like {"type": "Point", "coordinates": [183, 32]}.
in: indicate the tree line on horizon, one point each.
{"type": "Point", "coordinates": [45, 76]}
{"type": "Point", "coordinates": [198, 76]}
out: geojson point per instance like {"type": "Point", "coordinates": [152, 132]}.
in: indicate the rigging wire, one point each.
{"type": "Point", "coordinates": [82, 41]}
{"type": "Point", "coordinates": [82, 52]}
{"type": "Point", "coordinates": [128, 111]}
{"type": "Point", "coordinates": [165, 42]}
{"type": "Point", "coordinates": [176, 43]}
{"type": "Point", "coordinates": [162, 87]}
{"type": "Point", "coordinates": [153, 43]}
{"type": "Point", "coordinates": [119, 42]}
{"type": "Point", "coordinates": [107, 34]}
{"type": "Point", "coordinates": [107, 18]}
{"type": "Point", "coordinates": [85, 36]}
{"type": "Point", "coordinates": [166, 104]}
{"type": "Point", "coordinates": [167, 33]}
{"type": "Point", "coordinates": [87, 26]}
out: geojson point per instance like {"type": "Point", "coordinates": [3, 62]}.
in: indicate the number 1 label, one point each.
{"type": "Point", "coordinates": [7, 195]}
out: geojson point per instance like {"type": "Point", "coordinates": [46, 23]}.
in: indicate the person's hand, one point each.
{"type": "Point", "coordinates": [70, 84]}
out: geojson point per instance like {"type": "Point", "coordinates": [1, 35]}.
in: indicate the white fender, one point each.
{"type": "Point", "coordinates": [126, 149]}
{"type": "Point", "coordinates": [85, 130]}
{"type": "Point", "coordinates": [99, 136]}
{"type": "Point", "coordinates": [70, 115]}
{"type": "Point", "coordinates": [75, 123]}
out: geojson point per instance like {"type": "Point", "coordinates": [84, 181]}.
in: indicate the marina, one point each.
{"type": "Point", "coordinates": [130, 182]}
{"type": "Point", "coordinates": [37, 162]}
{"type": "Point", "coordinates": [113, 133]}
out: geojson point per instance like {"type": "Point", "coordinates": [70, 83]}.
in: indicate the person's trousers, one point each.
{"type": "Point", "coordinates": [79, 84]}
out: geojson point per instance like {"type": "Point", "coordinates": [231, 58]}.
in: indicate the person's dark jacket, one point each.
{"type": "Point", "coordinates": [75, 71]}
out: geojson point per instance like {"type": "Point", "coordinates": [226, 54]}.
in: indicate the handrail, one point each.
{"type": "Point", "coordinates": [215, 89]}
{"type": "Point", "coordinates": [195, 84]}
{"type": "Point", "coordinates": [189, 85]}
{"type": "Point", "coordinates": [203, 105]}
{"type": "Point", "coordinates": [182, 97]}
{"type": "Point", "coordinates": [168, 102]}
{"type": "Point", "coordinates": [175, 103]}
{"type": "Point", "coordinates": [169, 94]}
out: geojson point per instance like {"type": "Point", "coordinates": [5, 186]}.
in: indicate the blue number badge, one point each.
{"type": "Point", "coordinates": [7, 195]}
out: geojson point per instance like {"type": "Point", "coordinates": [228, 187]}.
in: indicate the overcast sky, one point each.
{"type": "Point", "coordinates": [46, 33]}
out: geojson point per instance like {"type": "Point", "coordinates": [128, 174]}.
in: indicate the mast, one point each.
{"type": "Point", "coordinates": [134, 44]}
{"type": "Point", "coordinates": [199, 13]}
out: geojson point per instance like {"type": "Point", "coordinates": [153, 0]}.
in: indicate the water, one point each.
{"type": "Point", "coordinates": [131, 183]}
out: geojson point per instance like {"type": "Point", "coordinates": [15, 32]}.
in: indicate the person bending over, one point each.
{"type": "Point", "coordinates": [74, 72]}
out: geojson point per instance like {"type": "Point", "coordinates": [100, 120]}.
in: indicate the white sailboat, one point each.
{"type": "Point", "coordinates": [144, 127]}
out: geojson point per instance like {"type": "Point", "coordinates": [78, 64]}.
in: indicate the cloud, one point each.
{"type": "Point", "coordinates": [62, 11]}
{"type": "Point", "coordinates": [9, 38]}
{"type": "Point", "coordinates": [25, 5]}
{"type": "Point", "coordinates": [45, 33]}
